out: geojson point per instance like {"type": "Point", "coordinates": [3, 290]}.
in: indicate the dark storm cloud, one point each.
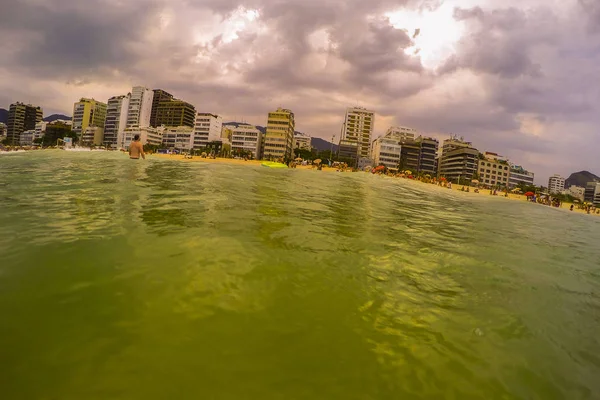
{"type": "Point", "coordinates": [592, 11]}
{"type": "Point", "coordinates": [498, 43]}
{"type": "Point", "coordinates": [64, 39]}
{"type": "Point", "coordinates": [530, 70]}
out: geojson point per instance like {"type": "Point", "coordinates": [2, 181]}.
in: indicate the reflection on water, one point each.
{"type": "Point", "coordinates": [156, 279]}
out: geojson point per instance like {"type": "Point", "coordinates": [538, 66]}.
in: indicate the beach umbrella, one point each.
{"type": "Point", "coordinates": [317, 161]}
{"type": "Point", "coordinates": [298, 159]}
{"type": "Point", "coordinates": [407, 172]}
{"type": "Point", "coordinates": [442, 179]}
{"type": "Point", "coordinates": [575, 201]}
{"type": "Point", "coordinates": [474, 181]}
{"type": "Point", "coordinates": [517, 190]}
{"type": "Point", "coordinates": [529, 194]}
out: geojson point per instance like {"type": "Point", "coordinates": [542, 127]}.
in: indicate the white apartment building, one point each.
{"type": "Point", "coordinates": [140, 106]}
{"type": "Point", "coordinates": [401, 133]}
{"type": "Point", "coordinates": [246, 138]}
{"type": "Point", "coordinates": [386, 150]}
{"type": "Point", "coordinates": [358, 127]}
{"type": "Point", "coordinates": [576, 191]}
{"type": "Point", "coordinates": [302, 142]}
{"type": "Point", "coordinates": [556, 184]}
{"type": "Point", "coordinates": [116, 120]}
{"type": "Point", "coordinates": [178, 138]}
{"type": "Point", "coordinates": [519, 175]}
{"type": "Point", "coordinates": [26, 137]}
{"type": "Point", "coordinates": [130, 111]}
{"type": "Point", "coordinates": [208, 128]}
{"type": "Point", "coordinates": [148, 135]}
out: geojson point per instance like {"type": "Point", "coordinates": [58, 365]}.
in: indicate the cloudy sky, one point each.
{"type": "Point", "coordinates": [517, 77]}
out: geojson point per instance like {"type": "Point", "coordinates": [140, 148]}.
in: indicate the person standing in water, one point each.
{"type": "Point", "coordinates": [136, 149]}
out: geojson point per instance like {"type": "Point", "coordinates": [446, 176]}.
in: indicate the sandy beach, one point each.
{"type": "Point", "coordinates": [456, 187]}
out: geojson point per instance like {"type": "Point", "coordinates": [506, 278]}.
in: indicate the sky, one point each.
{"type": "Point", "coordinates": [520, 78]}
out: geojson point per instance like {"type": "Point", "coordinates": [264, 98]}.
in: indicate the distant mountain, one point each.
{"type": "Point", "coordinates": [50, 118]}
{"type": "Point", "coordinates": [581, 179]}
{"type": "Point", "coordinates": [322, 145]}
{"type": "Point", "coordinates": [317, 143]}
{"type": "Point", "coordinates": [3, 115]}
{"type": "Point", "coordinates": [54, 117]}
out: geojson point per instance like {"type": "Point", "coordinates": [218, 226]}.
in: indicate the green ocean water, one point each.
{"type": "Point", "coordinates": [159, 279]}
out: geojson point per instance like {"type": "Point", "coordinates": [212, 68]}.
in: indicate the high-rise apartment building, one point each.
{"type": "Point", "coordinates": [88, 113]}
{"type": "Point", "coordinates": [116, 120]}
{"type": "Point", "coordinates": [2, 130]}
{"type": "Point", "coordinates": [519, 175]}
{"type": "Point", "coordinates": [207, 129]}
{"type": "Point", "coordinates": [428, 155]}
{"type": "Point", "coordinates": [245, 138]}
{"type": "Point", "coordinates": [592, 193]}
{"type": "Point", "coordinates": [158, 97]}
{"type": "Point", "coordinates": [494, 170]}
{"type": "Point", "coordinates": [21, 117]}
{"type": "Point", "coordinates": [556, 184]}
{"type": "Point", "coordinates": [175, 113]}
{"type": "Point", "coordinates": [401, 133]}
{"type": "Point", "coordinates": [140, 106]}
{"type": "Point", "coordinates": [386, 150]}
{"type": "Point", "coordinates": [280, 135]}
{"type": "Point", "coordinates": [122, 112]}
{"type": "Point", "coordinates": [358, 127]}
{"type": "Point", "coordinates": [458, 161]}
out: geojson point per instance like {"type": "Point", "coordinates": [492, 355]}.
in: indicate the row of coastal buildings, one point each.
{"type": "Point", "coordinates": [161, 120]}
{"type": "Point", "coordinates": [402, 148]}
{"type": "Point", "coordinates": [590, 193]}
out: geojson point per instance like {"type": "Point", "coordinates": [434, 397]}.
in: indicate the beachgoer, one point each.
{"type": "Point", "coordinates": [136, 149]}
{"type": "Point", "coordinates": [571, 207]}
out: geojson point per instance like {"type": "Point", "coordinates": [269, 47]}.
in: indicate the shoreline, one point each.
{"type": "Point", "coordinates": [455, 187]}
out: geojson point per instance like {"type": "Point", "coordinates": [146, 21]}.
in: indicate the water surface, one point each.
{"type": "Point", "coordinates": [159, 279]}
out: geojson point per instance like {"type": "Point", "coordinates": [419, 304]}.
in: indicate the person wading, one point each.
{"type": "Point", "coordinates": [136, 149]}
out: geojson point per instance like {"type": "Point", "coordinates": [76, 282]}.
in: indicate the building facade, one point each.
{"type": "Point", "coordinates": [178, 138]}
{"type": "Point", "coordinates": [246, 138]}
{"type": "Point", "coordinates": [556, 184]}
{"type": "Point", "coordinates": [458, 161]}
{"type": "Point", "coordinates": [592, 193]}
{"type": "Point", "coordinates": [116, 120]}
{"type": "Point", "coordinates": [348, 152]}
{"type": "Point", "coordinates": [148, 135]}
{"type": "Point", "coordinates": [158, 97]}
{"type": "Point", "coordinates": [140, 106]}
{"type": "Point", "coordinates": [358, 127]}
{"type": "Point", "coordinates": [519, 175]}
{"type": "Point", "coordinates": [175, 113]}
{"type": "Point", "coordinates": [279, 137]}
{"type": "Point", "coordinates": [428, 154]}
{"type": "Point", "coordinates": [21, 117]}
{"type": "Point", "coordinates": [302, 142]}
{"type": "Point", "coordinates": [494, 170]}
{"type": "Point", "coordinates": [130, 111]}
{"type": "Point", "coordinates": [386, 151]}
{"type": "Point", "coordinates": [208, 128]}
{"type": "Point", "coordinates": [88, 113]}
{"type": "Point", "coordinates": [2, 131]}
{"type": "Point", "coordinates": [92, 136]}
{"type": "Point", "coordinates": [401, 133]}
{"type": "Point", "coordinates": [577, 192]}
